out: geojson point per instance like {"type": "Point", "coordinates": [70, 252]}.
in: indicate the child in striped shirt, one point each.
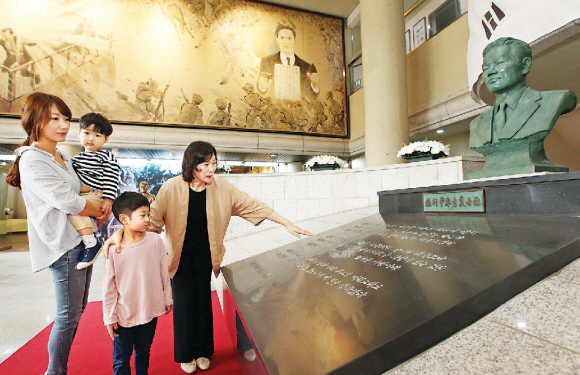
{"type": "Point", "coordinates": [99, 171]}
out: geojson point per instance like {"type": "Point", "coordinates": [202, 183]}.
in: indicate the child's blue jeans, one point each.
{"type": "Point", "coordinates": [138, 337]}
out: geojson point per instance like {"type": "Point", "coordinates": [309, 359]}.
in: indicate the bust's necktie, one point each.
{"type": "Point", "coordinates": [499, 120]}
{"type": "Point", "coordinates": [288, 59]}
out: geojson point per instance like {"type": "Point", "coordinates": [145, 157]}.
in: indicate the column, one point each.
{"type": "Point", "coordinates": [384, 79]}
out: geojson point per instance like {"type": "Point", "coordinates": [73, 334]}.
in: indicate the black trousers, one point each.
{"type": "Point", "coordinates": [192, 313]}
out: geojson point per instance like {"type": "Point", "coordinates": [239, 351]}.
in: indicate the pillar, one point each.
{"type": "Point", "coordinates": [384, 80]}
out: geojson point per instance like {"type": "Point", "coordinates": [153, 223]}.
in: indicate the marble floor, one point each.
{"type": "Point", "coordinates": [537, 332]}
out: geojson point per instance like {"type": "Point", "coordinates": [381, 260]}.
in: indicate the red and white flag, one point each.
{"type": "Point", "coordinates": [527, 20]}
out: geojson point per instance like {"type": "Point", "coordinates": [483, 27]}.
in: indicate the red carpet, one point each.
{"type": "Point", "coordinates": [92, 349]}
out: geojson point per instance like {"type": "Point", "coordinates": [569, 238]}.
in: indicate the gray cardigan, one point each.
{"type": "Point", "coordinates": [50, 193]}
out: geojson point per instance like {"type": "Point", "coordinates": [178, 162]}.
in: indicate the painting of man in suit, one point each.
{"type": "Point", "coordinates": [309, 79]}
{"type": "Point", "coordinates": [513, 131]}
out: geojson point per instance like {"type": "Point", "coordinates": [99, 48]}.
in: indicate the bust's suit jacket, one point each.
{"type": "Point", "coordinates": [536, 111]}
{"type": "Point", "coordinates": [267, 65]}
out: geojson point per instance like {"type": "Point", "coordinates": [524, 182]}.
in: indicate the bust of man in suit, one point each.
{"type": "Point", "coordinates": [309, 79]}
{"type": "Point", "coordinates": [520, 114]}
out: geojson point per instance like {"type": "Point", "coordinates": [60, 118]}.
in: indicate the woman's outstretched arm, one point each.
{"type": "Point", "coordinates": [292, 229]}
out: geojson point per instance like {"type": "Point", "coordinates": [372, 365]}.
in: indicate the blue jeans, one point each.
{"type": "Point", "coordinates": [72, 290]}
{"type": "Point", "coordinates": [140, 337]}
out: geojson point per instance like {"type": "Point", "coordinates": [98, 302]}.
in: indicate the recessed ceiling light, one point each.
{"type": "Point", "coordinates": [439, 131]}
{"type": "Point", "coordinates": [272, 154]}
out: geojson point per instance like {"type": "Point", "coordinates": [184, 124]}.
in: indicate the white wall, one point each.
{"type": "Point", "coordinates": [305, 195]}
{"type": "Point", "coordinates": [358, 162]}
{"type": "Point", "coordinates": [459, 145]}
{"type": "Point", "coordinates": [290, 167]}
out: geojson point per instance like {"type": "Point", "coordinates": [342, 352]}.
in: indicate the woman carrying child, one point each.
{"type": "Point", "coordinates": [50, 188]}
{"type": "Point", "coordinates": [196, 208]}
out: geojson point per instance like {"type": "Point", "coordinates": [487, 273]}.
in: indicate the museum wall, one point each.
{"type": "Point", "coordinates": [436, 71]}
{"type": "Point", "coordinates": [459, 146]}
{"type": "Point", "coordinates": [562, 145]}
{"type": "Point", "coordinates": [425, 9]}
{"type": "Point", "coordinates": [438, 68]}
{"type": "Point", "coordinates": [356, 108]}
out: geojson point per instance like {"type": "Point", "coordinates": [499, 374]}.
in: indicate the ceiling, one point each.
{"type": "Point", "coordinates": [338, 8]}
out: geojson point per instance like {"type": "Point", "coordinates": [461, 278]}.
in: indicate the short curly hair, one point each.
{"type": "Point", "coordinates": [196, 153]}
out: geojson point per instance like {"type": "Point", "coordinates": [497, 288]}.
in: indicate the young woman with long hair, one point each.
{"type": "Point", "coordinates": [50, 189]}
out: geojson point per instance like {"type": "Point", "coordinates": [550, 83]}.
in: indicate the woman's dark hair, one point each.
{"type": "Point", "coordinates": [196, 153]}
{"type": "Point", "coordinates": [100, 122]}
{"type": "Point", "coordinates": [35, 114]}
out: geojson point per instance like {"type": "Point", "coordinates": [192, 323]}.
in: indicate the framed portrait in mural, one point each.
{"type": "Point", "coordinates": [231, 64]}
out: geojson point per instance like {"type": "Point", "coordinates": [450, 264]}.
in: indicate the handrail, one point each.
{"type": "Point", "coordinates": [413, 7]}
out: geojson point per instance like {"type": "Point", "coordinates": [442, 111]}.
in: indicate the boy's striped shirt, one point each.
{"type": "Point", "coordinates": [98, 170]}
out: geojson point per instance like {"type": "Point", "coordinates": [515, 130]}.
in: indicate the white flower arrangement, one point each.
{"type": "Point", "coordinates": [324, 160]}
{"type": "Point", "coordinates": [423, 148]}
{"type": "Point", "coordinates": [223, 167]}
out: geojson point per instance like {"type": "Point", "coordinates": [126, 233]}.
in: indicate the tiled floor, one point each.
{"type": "Point", "coordinates": [537, 332]}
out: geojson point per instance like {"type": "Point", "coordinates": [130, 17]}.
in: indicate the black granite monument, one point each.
{"type": "Point", "coordinates": [364, 297]}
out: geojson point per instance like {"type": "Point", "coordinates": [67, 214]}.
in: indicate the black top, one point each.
{"type": "Point", "coordinates": [196, 252]}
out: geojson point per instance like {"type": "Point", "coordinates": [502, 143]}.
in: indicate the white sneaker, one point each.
{"type": "Point", "coordinates": [189, 367]}
{"type": "Point", "coordinates": [250, 355]}
{"type": "Point", "coordinates": [203, 363]}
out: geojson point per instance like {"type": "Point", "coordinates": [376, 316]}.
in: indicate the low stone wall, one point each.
{"type": "Point", "coordinates": [305, 195]}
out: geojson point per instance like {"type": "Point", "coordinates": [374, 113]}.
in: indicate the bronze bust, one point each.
{"type": "Point", "coordinates": [511, 134]}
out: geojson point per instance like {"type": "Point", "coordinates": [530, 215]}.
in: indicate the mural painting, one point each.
{"type": "Point", "coordinates": [211, 63]}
